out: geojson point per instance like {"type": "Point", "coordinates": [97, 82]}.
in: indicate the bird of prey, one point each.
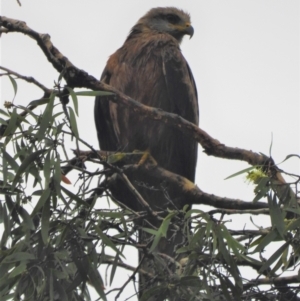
{"type": "Point", "coordinates": [151, 69]}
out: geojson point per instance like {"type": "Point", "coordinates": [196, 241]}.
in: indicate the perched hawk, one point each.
{"type": "Point", "coordinates": [151, 69]}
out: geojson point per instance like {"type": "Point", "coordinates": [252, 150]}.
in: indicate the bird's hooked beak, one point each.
{"type": "Point", "coordinates": [189, 30]}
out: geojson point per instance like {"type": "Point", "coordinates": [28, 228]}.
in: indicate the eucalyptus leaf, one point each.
{"type": "Point", "coordinates": [74, 98]}
{"type": "Point", "coordinates": [73, 123]}
{"type": "Point", "coordinates": [14, 84]}
{"type": "Point", "coordinates": [94, 93]}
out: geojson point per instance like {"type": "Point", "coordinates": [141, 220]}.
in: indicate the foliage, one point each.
{"type": "Point", "coordinates": [56, 237]}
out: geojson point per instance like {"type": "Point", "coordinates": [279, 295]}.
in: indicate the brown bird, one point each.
{"type": "Point", "coordinates": [151, 69]}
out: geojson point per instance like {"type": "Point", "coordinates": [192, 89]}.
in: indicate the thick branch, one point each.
{"type": "Point", "coordinates": [188, 190]}
{"type": "Point", "coordinates": [178, 184]}
{"type": "Point", "coordinates": [276, 281]}
{"type": "Point", "coordinates": [79, 78]}
{"type": "Point", "coordinates": [76, 77]}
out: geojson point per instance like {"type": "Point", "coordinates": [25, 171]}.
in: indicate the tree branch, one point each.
{"type": "Point", "coordinates": [28, 79]}
{"type": "Point", "coordinates": [76, 77]}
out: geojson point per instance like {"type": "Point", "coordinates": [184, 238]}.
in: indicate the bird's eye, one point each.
{"type": "Point", "coordinates": [172, 18]}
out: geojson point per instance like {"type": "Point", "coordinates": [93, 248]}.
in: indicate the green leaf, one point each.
{"type": "Point", "coordinates": [18, 256]}
{"type": "Point", "coordinates": [62, 73]}
{"type": "Point", "coordinates": [4, 113]}
{"type": "Point", "coordinates": [96, 281]}
{"type": "Point", "coordinates": [26, 217]}
{"type": "Point", "coordinates": [10, 160]}
{"type": "Point", "coordinates": [289, 156]}
{"type": "Point", "coordinates": [73, 123]}
{"type": "Point", "coordinates": [106, 240]}
{"type": "Point", "coordinates": [38, 102]}
{"type": "Point", "coordinates": [46, 119]}
{"type": "Point", "coordinates": [45, 222]}
{"type": "Point", "coordinates": [221, 246]}
{"type": "Point", "coordinates": [30, 112]}
{"type": "Point", "coordinates": [26, 163]}
{"type": "Point", "coordinates": [274, 257]}
{"type": "Point", "coordinates": [12, 123]}
{"type": "Point", "coordinates": [75, 100]}
{"type": "Point", "coordinates": [14, 84]}
{"type": "Point", "coordinates": [197, 238]}
{"type": "Point", "coordinates": [190, 281]}
{"type": "Point", "coordinates": [162, 231]}
{"type": "Point", "coordinates": [3, 122]}
{"type": "Point", "coordinates": [93, 93]}
{"type": "Point", "coordinates": [7, 227]}
{"type": "Point", "coordinates": [265, 240]}
{"type": "Point", "coordinates": [165, 225]}
{"type": "Point", "coordinates": [271, 144]}
{"type": "Point", "coordinates": [73, 196]}
{"type": "Point", "coordinates": [232, 243]}
{"type": "Point", "coordinates": [240, 172]}
{"type": "Point", "coordinates": [57, 175]}
{"type": "Point", "coordinates": [155, 241]}
{"type": "Point", "coordinates": [294, 224]}
{"type": "Point", "coordinates": [61, 291]}
{"type": "Point", "coordinates": [113, 269]}
{"type": "Point", "coordinates": [44, 197]}
{"type": "Point", "coordinates": [18, 270]}
{"type": "Point", "coordinates": [261, 189]}
{"type": "Point", "coordinates": [277, 216]}
{"type": "Point", "coordinates": [160, 290]}
{"type": "Point", "coordinates": [47, 169]}
{"type": "Point", "coordinates": [150, 231]}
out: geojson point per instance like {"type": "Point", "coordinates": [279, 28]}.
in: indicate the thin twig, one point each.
{"type": "Point", "coordinates": [28, 79]}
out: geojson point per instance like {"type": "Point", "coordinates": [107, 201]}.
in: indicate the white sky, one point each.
{"type": "Point", "coordinates": [244, 56]}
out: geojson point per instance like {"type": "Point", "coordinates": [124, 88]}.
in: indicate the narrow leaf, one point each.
{"type": "Point", "coordinates": [73, 196]}
{"type": "Point", "coordinates": [265, 241]}
{"type": "Point", "coordinates": [18, 256]}
{"type": "Point", "coordinates": [45, 222]}
{"type": "Point", "coordinates": [12, 124]}
{"type": "Point", "coordinates": [96, 281]}
{"type": "Point", "coordinates": [113, 269]}
{"type": "Point", "coordinates": [47, 169]}
{"type": "Point", "coordinates": [277, 217]}
{"type": "Point", "coordinates": [44, 197]}
{"type": "Point", "coordinates": [26, 163]}
{"type": "Point", "coordinates": [38, 102]}
{"type": "Point", "coordinates": [14, 84]}
{"type": "Point", "coordinates": [240, 172]}
{"type": "Point", "coordinates": [93, 93]}
{"type": "Point", "coordinates": [74, 98]}
{"type": "Point", "coordinates": [106, 240]}
{"type": "Point", "coordinates": [26, 217]}
{"type": "Point", "coordinates": [278, 253]}
{"type": "Point", "coordinates": [18, 270]}
{"type": "Point", "coordinates": [46, 119]}
{"type": "Point", "coordinates": [10, 160]}
{"type": "Point", "coordinates": [73, 122]}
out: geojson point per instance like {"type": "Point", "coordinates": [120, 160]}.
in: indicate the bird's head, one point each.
{"type": "Point", "coordinates": [169, 20]}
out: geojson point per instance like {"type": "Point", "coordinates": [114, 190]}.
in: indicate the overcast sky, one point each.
{"type": "Point", "coordinates": [244, 56]}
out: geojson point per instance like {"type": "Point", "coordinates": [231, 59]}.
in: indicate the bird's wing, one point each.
{"type": "Point", "coordinates": [181, 86]}
{"type": "Point", "coordinates": [105, 131]}
{"type": "Point", "coordinates": [182, 93]}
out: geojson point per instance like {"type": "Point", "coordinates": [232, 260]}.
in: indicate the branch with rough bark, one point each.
{"type": "Point", "coordinates": [76, 77]}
